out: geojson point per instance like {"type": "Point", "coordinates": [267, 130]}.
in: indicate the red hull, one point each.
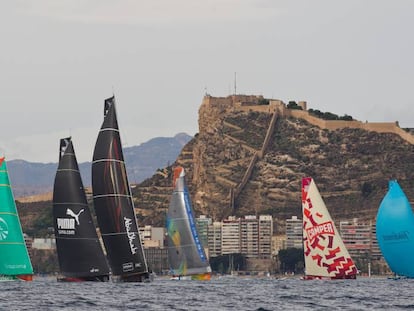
{"type": "Point", "coordinates": [25, 277]}
{"type": "Point", "coordinates": [343, 277]}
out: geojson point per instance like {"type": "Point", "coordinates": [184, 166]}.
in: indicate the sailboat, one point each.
{"type": "Point", "coordinates": [79, 250]}
{"type": "Point", "coordinates": [326, 256]}
{"type": "Point", "coordinates": [14, 258]}
{"type": "Point", "coordinates": [395, 231]}
{"type": "Point", "coordinates": [185, 253]}
{"type": "Point", "coordinates": [114, 205]}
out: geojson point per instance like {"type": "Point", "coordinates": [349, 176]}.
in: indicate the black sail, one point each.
{"type": "Point", "coordinates": [113, 201]}
{"type": "Point", "coordinates": [79, 250]}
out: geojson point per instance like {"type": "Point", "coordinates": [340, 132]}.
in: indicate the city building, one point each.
{"type": "Point", "coordinates": [249, 236]}
{"type": "Point", "coordinates": [29, 244]}
{"type": "Point", "coordinates": [152, 236]}
{"type": "Point", "coordinates": [294, 233]}
{"type": "Point", "coordinates": [214, 239]}
{"type": "Point", "coordinates": [230, 236]}
{"type": "Point", "coordinates": [43, 243]}
{"type": "Point", "coordinates": [375, 250]}
{"type": "Point", "coordinates": [202, 224]}
{"type": "Point", "coordinates": [357, 238]}
{"type": "Point", "coordinates": [265, 236]}
{"type": "Point", "coordinates": [278, 243]}
{"type": "Point", "coordinates": [157, 259]}
{"type": "Point", "coordinates": [153, 243]}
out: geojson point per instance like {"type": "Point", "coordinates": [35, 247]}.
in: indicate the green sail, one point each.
{"type": "Point", "coordinates": [14, 258]}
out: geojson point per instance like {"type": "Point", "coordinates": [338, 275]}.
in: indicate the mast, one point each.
{"type": "Point", "coordinates": [113, 200]}
{"type": "Point", "coordinates": [79, 250]}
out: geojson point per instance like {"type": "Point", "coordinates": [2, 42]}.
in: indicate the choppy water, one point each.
{"type": "Point", "coordinates": [228, 293]}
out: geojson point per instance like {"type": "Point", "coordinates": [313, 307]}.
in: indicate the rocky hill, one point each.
{"type": "Point", "coordinates": [250, 155]}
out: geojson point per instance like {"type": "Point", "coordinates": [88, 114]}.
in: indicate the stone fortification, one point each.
{"type": "Point", "coordinates": [213, 108]}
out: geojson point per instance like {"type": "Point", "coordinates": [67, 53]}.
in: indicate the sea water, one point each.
{"type": "Point", "coordinates": [225, 293]}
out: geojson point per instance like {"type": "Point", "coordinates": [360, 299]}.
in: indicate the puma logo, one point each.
{"type": "Point", "coordinates": [69, 212]}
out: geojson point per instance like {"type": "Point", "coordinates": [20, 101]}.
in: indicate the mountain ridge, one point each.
{"type": "Point", "coordinates": [142, 161]}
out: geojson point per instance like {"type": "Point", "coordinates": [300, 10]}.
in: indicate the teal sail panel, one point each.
{"type": "Point", "coordinates": [395, 231]}
{"type": "Point", "coordinates": [14, 258]}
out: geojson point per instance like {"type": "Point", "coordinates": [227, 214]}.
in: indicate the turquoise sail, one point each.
{"type": "Point", "coordinates": [14, 258]}
{"type": "Point", "coordinates": [395, 231]}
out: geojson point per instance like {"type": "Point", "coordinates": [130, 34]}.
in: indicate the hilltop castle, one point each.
{"type": "Point", "coordinates": [213, 107]}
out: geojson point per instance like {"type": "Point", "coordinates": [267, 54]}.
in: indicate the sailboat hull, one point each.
{"type": "Point", "coordinates": [201, 277]}
{"type": "Point", "coordinates": [134, 278]}
{"type": "Point", "coordinates": [342, 277]}
{"type": "Point", "coordinates": [99, 278]}
{"type": "Point", "coordinates": [23, 277]}
{"type": "Point", "coordinates": [194, 277]}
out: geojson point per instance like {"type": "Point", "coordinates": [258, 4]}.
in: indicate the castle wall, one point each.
{"type": "Point", "coordinates": [379, 127]}
{"type": "Point", "coordinates": [213, 107]}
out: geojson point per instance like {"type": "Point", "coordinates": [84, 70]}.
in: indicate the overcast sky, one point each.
{"type": "Point", "coordinates": [59, 59]}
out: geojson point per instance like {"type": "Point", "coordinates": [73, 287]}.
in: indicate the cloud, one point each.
{"type": "Point", "coordinates": [148, 11]}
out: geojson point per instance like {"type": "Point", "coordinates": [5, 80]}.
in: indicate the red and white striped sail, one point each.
{"type": "Point", "coordinates": [326, 256]}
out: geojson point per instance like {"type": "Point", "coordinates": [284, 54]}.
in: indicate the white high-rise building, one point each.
{"type": "Point", "coordinates": [265, 236]}
{"type": "Point", "coordinates": [230, 236]}
{"type": "Point", "coordinates": [294, 233]}
{"type": "Point", "coordinates": [214, 239]}
{"type": "Point", "coordinates": [249, 236]}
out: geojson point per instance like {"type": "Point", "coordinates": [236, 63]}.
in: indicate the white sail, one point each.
{"type": "Point", "coordinates": [325, 253]}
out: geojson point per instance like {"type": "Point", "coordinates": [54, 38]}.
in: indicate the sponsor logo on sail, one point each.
{"type": "Point", "coordinates": [129, 266]}
{"type": "Point", "coordinates": [324, 228]}
{"type": "Point", "coordinates": [131, 235]}
{"type": "Point", "coordinates": [67, 225]}
{"type": "Point", "coordinates": [17, 266]}
{"type": "Point", "coordinates": [4, 229]}
{"type": "Point", "coordinates": [396, 236]}
{"type": "Point", "coordinates": [69, 212]}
